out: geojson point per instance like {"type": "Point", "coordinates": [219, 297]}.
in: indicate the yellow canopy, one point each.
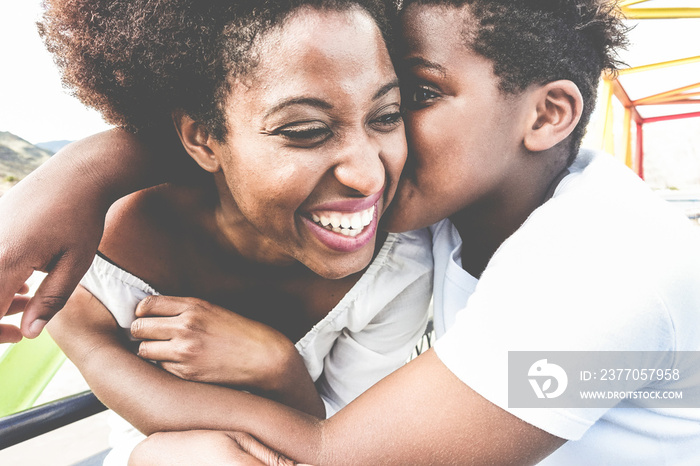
{"type": "Point", "coordinates": [662, 81]}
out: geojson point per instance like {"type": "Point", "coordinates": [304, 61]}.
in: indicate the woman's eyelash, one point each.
{"type": "Point", "coordinates": [389, 118]}
{"type": "Point", "coordinates": [303, 133]}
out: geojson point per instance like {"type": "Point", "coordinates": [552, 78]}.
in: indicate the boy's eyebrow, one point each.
{"type": "Point", "coordinates": [423, 63]}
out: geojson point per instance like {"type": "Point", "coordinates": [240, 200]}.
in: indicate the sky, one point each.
{"type": "Point", "coordinates": [33, 105]}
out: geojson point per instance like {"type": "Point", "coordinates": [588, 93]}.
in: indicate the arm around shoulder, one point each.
{"type": "Point", "coordinates": [449, 424]}
{"type": "Point", "coordinates": [56, 215]}
{"type": "Point", "coordinates": [421, 414]}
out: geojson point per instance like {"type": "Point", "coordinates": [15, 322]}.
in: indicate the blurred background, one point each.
{"type": "Point", "coordinates": [647, 117]}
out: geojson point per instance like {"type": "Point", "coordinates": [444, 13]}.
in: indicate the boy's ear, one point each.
{"type": "Point", "coordinates": [197, 141]}
{"type": "Point", "coordinates": [557, 111]}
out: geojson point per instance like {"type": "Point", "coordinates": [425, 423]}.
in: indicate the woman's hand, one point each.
{"type": "Point", "coordinates": [199, 341]}
{"type": "Point", "coordinates": [204, 448]}
{"type": "Point", "coordinates": [202, 342]}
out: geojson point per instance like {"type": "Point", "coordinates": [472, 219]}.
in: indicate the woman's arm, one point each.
{"type": "Point", "coordinates": [53, 219]}
{"type": "Point", "coordinates": [420, 414]}
{"type": "Point", "coordinates": [199, 341]}
{"type": "Point", "coordinates": [144, 394]}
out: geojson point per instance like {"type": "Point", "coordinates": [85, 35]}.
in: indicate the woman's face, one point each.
{"type": "Point", "coordinates": [461, 129]}
{"type": "Point", "coordinates": [315, 142]}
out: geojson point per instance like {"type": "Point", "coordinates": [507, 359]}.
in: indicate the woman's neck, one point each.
{"type": "Point", "coordinates": [236, 233]}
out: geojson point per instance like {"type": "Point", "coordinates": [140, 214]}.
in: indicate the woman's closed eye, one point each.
{"type": "Point", "coordinates": [304, 134]}
{"type": "Point", "coordinates": [387, 122]}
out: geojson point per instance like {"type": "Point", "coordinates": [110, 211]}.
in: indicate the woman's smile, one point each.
{"type": "Point", "coordinates": [346, 225]}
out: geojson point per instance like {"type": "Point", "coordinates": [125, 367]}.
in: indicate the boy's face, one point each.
{"type": "Point", "coordinates": [464, 135]}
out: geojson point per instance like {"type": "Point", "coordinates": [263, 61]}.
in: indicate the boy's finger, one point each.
{"type": "Point", "coordinates": [19, 303]}
{"type": "Point", "coordinates": [9, 334]}
{"type": "Point", "coordinates": [24, 289]}
{"type": "Point", "coordinates": [52, 295]}
{"type": "Point", "coordinates": [262, 452]}
{"type": "Point", "coordinates": [10, 283]}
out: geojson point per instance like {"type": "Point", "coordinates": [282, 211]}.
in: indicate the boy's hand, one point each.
{"type": "Point", "coordinates": [204, 448]}
{"type": "Point", "coordinates": [42, 230]}
{"type": "Point", "coordinates": [10, 333]}
{"type": "Point", "coordinates": [53, 220]}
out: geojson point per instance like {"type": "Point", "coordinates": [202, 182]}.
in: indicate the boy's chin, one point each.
{"type": "Point", "coordinates": [398, 219]}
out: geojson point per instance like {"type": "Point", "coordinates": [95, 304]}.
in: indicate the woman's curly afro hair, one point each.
{"type": "Point", "coordinates": [136, 61]}
{"type": "Point", "coordinates": [539, 41]}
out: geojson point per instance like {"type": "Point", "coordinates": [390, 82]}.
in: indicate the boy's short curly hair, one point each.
{"type": "Point", "coordinates": [539, 41]}
{"type": "Point", "coordinates": [136, 61]}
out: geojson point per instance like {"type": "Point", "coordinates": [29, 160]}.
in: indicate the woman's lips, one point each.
{"type": "Point", "coordinates": [349, 205]}
{"type": "Point", "coordinates": [346, 225]}
{"type": "Point", "coordinates": [346, 239]}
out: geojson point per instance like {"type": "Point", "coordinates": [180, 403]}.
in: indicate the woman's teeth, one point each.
{"type": "Point", "coordinates": [345, 223]}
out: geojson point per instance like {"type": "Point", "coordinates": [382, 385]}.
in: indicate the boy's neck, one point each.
{"type": "Point", "coordinates": [485, 226]}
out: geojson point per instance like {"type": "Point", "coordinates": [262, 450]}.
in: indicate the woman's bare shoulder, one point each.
{"type": "Point", "coordinates": [145, 234]}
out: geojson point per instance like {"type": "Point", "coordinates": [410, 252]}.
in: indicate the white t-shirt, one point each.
{"type": "Point", "coordinates": [370, 333]}
{"type": "Point", "coordinates": [604, 265]}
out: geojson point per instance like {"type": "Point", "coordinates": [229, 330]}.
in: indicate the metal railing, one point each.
{"type": "Point", "coordinates": [24, 425]}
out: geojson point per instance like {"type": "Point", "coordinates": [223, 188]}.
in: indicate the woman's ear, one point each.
{"type": "Point", "coordinates": [197, 142]}
{"type": "Point", "coordinates": [557, 111]}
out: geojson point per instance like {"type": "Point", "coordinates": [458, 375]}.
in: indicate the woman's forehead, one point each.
{"type": "Point", "coordinates": [310, 28]}
{"type": "Point", "coordinates": [317, 50]}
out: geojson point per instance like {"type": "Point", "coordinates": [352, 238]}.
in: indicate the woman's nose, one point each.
{"type": "Point", "coordinates": [361, 167]}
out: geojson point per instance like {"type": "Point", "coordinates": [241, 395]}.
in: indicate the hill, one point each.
{"type": "Point", "coordinates": [53, 146]}
{"type": "Point", "coordinates": [18, 158]}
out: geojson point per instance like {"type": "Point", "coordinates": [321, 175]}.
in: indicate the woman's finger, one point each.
{"type": "Point", "coordinates": [154, 328]}
{"type": "Point", "coordinates": [163, 306]}
{"type": "Point", "coordinates": [160, 351]}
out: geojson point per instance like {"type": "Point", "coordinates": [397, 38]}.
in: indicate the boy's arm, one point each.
{"type": "Point", "coordinates": [53, 219]}
{"type": "Point", "coordinates": [421, 414]}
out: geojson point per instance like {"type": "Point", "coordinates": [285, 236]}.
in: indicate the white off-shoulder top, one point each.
{"type": "Point", "coordinates": [367, 335]}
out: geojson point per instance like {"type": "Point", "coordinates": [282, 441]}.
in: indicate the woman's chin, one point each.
{"type": "Point", "coordinates": [335, 268]}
